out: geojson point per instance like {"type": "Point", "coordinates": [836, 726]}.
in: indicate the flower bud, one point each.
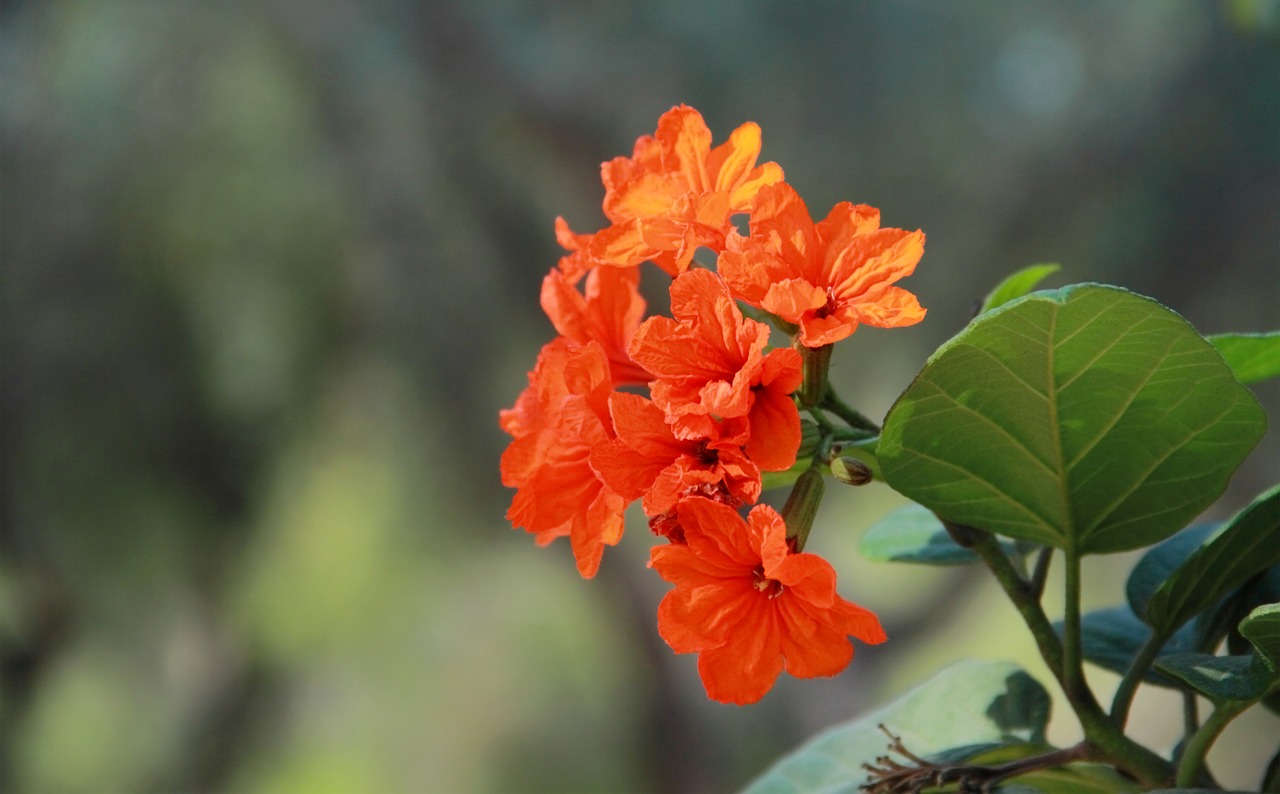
{"type": "Point", "coordinates": [851, 471]}
{"type": "Point", "coordinates": [802, 506]}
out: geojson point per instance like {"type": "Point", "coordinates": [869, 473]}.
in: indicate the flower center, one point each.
{"type": "Point", "coordinates": [830, 307]}
{"type": "Point", "coordinates": [706, 456]}
{"type": "Point", "coordinates": [770, 587]}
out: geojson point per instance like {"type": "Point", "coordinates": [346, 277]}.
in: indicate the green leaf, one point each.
{"type": "Point", "coordinates": [1223, 618]}
{"type": "Point", "coordinates": [1216, 677]}
{"type": "Point", "coordinates": [1017, 285]}
{"type": "Point", "coordinates": [1085, 418]}
{"type": "Point", "coordinates": [1074, 779]}
{"type": "Point", "coordinates": [1244, 547]}
{"type": "Point", "coordinates": [1112, 637]}
{"type": "Point", "coordinates": [913, 534]}
{"type": "Point", "coordinates": [1262, 628]}
{"type": "Point", "coordinates": [1252, 357]}
{"type": "Point", "coordinates": [968, 703]}
{"type": "Point", "coordinates": [1160, 562]}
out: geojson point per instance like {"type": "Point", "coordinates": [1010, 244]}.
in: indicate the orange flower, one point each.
{"type": "Point", "coordinates": [674, 194]}
{"type": "Point", "coordinates": [609, 313]}
{"type": "Point", "coordinates": [748, 607]}
{"type": "Point", "coordinates": [826, 277]}
{"type": "Point", "coordinates": [556, 422]}
{"type": "Point", "coordinates": [709, 363]}
{"type": "Point", "coordinates": [646, 460]}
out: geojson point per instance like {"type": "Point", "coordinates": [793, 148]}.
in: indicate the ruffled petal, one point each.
{"type": "Point", "coordinates": [870, 262]}
{"type": "Point", "coordinates": [812, 647]}
{"type": "Point", "coordinates": [686, 138]}
{"type": "Point", "coordinates": [775, 429]}
{"type": "Point", "coordinates": [744, 668]}
{"type": "Point", "coordinates": [895, 308]}
{"type": "Point", "coordinates": [625, 471]}
{"type": "Point", "coordinates": [598, 526]}
{"type": "Point", "coordinates": [716, 532]}
{"type": "Point", "coordinates": [790, 299]}
{"type": "Point", "coordinates": [807, 577]}
{"type": "Point", "coordinates": [857, 621]}
{"type": "Point", "coordinates": [730, 162]}
{"type": "Point", "coordinates": [767, 174]}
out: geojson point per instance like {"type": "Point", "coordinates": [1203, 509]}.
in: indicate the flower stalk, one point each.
{"type": "Point", "coordinates": [816, 361]}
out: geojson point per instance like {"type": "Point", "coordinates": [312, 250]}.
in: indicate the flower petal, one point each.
{"type": "Point", "coordinates": [744, 668]}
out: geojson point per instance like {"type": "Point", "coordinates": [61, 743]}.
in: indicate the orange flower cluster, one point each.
{"type": "Point", "coordinates": [720, 405]}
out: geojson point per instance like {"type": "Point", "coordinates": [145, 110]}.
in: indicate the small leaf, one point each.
{"type": "Point", "coordinates": [1216, 677]}
{"type": "Point", "coordinates": [1086, 418]}
{"type": "Point", "coordinates": [1016, 285]}
{"type": "Point", "coordinates": [1244, 547]}
{"type": "Point", "coordinates": [1112, 637]}
{"type": "Point", "coordinates": [1262, 628]}
{"type": "Point", "coordinates": [1252, 357]}
{"type": "Point", "coordinates": [1159, 562]}
{"type": "Point", "coordinates": [969, 703]}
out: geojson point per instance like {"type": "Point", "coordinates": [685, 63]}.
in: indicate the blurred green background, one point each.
{"type": "Point", "coordinates": [270, 269]}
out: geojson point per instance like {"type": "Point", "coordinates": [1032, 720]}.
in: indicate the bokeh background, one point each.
{"type": "Point", "coordinates": [270, 270]}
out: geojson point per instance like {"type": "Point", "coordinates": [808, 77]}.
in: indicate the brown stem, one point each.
{"type": "Point", "coordinates": [889, 776]}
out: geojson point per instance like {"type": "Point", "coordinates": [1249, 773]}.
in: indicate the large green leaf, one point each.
{"type": "Point", "coordinates": [1086, 418]}
{"type": "Point", "coordinates": [1253, 357]}
{"type": "Point", "coordinates": [1246, 546]}
{"type": "Point", "coordinates": [969, 703]}
{"type": "Point", "coordinates": [1017, 285]}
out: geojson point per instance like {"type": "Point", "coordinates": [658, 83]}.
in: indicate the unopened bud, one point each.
{"type": "Point", "coordinates": [802, 506]}
{"type": "Point", "coordinates": [851, 471]}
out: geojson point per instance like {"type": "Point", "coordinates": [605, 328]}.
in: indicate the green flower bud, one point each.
{"type": "Point", "coordinates": [802, 506]}
{"type": "Point", "coordinates": [851, 471]}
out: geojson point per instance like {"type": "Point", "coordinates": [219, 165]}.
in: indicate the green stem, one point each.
{"type": "Point", "coordinates": [1099, 730]}
{"type": "Point", "coordinates": [1019, 590]}
{"type": "Point", "coordinates": [821, 418]}
{"type": "Point", "coordinates": [1065, 658]}
{"type": "Point", "coordinates": [1133, 677]}
{"type": "Point", "coordinates": [1196, 750]}
{"type": "Point", "coordinates": [1041, 573]}
{"type": "Point", "coordinates": [1190, 719]}
{"type": "Point", "coordinates": [832, 402]}
{"type": "Point", "coordinates": [1073, 682]}
{"type": "Point", "coordinates": [815, 361]}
